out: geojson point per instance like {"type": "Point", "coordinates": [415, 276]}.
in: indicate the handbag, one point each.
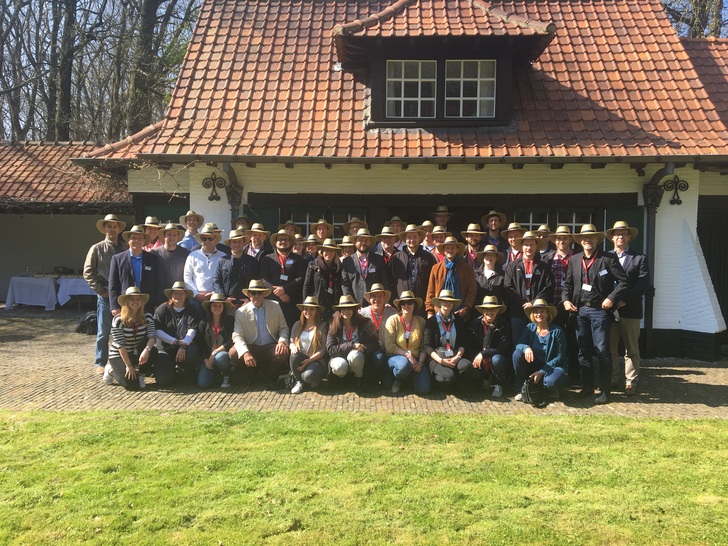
{"type": "Point", "coordinates": [534, 393]}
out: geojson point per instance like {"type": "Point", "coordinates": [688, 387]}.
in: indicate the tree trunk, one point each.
{"type": "Point", "coordinates": [65, 72]}
{"type": "Point", "coordinates": [142, 85]}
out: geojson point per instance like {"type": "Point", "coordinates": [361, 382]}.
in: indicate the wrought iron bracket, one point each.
{"type": "Point", "coordinates": [676, 185]}
{"type": "Point", "coordinates": [213, 183]}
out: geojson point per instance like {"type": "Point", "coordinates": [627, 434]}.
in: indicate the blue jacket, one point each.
{"type": "Point", "coordinates": [555, 347]}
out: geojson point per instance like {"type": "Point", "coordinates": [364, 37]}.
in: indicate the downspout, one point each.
{"type": "Point", "coordinates": [233, 190]}
{"type": "Point", "coordinates": [652, 193]}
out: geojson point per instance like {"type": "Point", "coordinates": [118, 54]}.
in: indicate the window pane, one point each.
{"type": "Point", "coordinates": [429, 69]}
{"type": "Point", "coordinates": [487, 89]}
{"type": "Point", "coordinates": [470, 69]}
{"type": "Point", "coordinates": [521, 217]}
{"type": "Point", "coordinates": [427, 109]}
{"type": "Point", "coordinates": [487, 69]}
{"type": "Point", "coordinates": [452, 89]}
{"type": "Point", "coordinates": [470, 80]}
{"type": "Point", "coordinates": [470, 108]}
{"type": "Point", "coordinates": [411, 109]}
{"type": "Point", "coordinates": [411, 69]}
{"type": "Point", "coordinates": [427, 90]}
{"type": "Point", "coordinates": [411, 89]}
{"type": "Point", "coordinates": [394, 69]}
{"type": "Point", "coordinates": [452, 108]}
{"type": "Point", "coordinates": [540, 218]}
{"type": "Point", "coordinates": [394, 109]}
{"type": "Point", "coordinates": [581, 218]}
{"type": "Point", "coordinates": [487, 108]}
{"type": "Point", "coordinates": [470, 89]}
{"type": "Point", "coordinates": [452, 69]}
{"type": "Point", "coordinates": [394, 89]}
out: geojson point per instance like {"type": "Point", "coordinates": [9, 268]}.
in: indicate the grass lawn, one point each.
{"type": "Point", "coordinates": [323, 478]}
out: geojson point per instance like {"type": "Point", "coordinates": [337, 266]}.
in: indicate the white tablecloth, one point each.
{"type": "Point", "coordinates": [72, 287]}
{"type": "Point", "coordinates": [32, 291]}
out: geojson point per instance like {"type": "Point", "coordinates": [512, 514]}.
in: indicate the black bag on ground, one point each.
{"type": "Point", "coordinates": [87, 324]}
{"type": "Point", "coordinates": [534, 393]}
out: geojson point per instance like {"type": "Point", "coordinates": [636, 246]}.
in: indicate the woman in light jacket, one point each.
{"type": "Point", "coordinates": [405, 345]}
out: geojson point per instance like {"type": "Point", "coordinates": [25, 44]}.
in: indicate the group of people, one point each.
{"type": "Point", "coordinates": [411, 305]}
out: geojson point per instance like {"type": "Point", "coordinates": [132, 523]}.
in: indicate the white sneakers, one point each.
{"type": "Point", "coordinates": [142, 383]}
{"type": "Point", "coordinates": [108, 378]}
{"type": "Point", "coordinates": [518, 397]}
{"type": "Point", "coordinates": [297, 388]}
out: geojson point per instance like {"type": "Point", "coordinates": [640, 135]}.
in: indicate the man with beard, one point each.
{"type": "Point", "coordinates": [492, 222]}
{"type": "Point", "coordinates": [455, 274]}
{"type": "Point", "coordinates": [234, 272]}
{"type": "Point", "coordinates": [283, 271]}
{"type": "Point", "coordinates": [474, 239]}
{"type": "Point", "coordinates": [412, 265]}
{"type": "Point", "coordinates": [363, 269]}
{"type": "Point", "coordinates": [258, 245]}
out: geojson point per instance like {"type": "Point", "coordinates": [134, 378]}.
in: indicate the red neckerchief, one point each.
{"type": "Point", "coordinates": [528, 266]}
{"type": "Point", "coordinates": [565, 261]}
{"type": "Point", "coordinates": [586, 266]}
{"type": "Point", "coordinates": [447, 328]}
{"type": "Point", "coordinates": [363, 264]}
{"type": "Point", "coordinates": [375, 321]}
{"type": "Point", "coordinates": [387, 259]}
{"type": "Point", "coordinates": [407, 330]}
{"type": "Point", "coordinates": [472, 256]}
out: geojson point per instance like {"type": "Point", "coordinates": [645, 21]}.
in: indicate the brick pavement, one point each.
{"type": "Point", "coordinates": [46, 365]}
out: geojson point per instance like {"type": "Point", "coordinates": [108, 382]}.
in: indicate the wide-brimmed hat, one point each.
{"type": "Point", "coordinates": [311, 239]}
{"type": "Point", "coordinates": [171, 226]}
{"type": "Point", "coordinates": [257, 228]}
{"type": "Point", "coordinates": [109, 218]}
{"type": "Point", "coordinates": [427, 223]}
{"type": "Point", "coordinates": [329, 244]}
{"type": "Point", "coordinates": [387, 232]}
{"type": "Point", "coordinates": [408, 295]}
{"type": "Point", "coordinates": [446, 295]}
{"type": "Point", "coordinates": [442, 209]}
{"type": "Point", "coordinates": [213, 225]}
{"type": "Point", "coordinates": [281, 233]}
{"type": "Point", "coordinates": [513, 226]}
{"type": "Point", "coordinates": [235, 234]}
{"type": "Point", "coordinates": [296, 228]}
{"type": "Point", "coordinates": [451, 241]}
{"type": "Point", "coordinates": [540, 243]}
{"type": "Point", "coordinates": [257, 287]}
{"type": "Point", "coordinates": [346, 241]}
{"type": "Point", "coordinates": [588, 230]}
{"type": "Point", "coordinates": [491, 249]}
{"type": "Point", "coordinates": [183, 219]}
{"type": "Point", "coordinates": [378, 287]}
{"type": "Point", "coordinates": [354, 220]}
{"type": "Point", "coordinates": [321, 222]}
{"type": "Point", "coordinates": [472, 229]}
{"type": "Point", "coordinates": [364, 232]}
{"type": "Point", "coordinates": [541, 304]}
{"type": "Point", "coordinates": [621, 224]}
{"type": "Point", "coordinates": [394, 220]}
{"type": "Point", "coordinates": [152, 221]}
{"type": "Point", "coordinates": [132, 291]}
{"type": "Point", "coordinates": [486, 217]}
{"type": "Point", "coordinates": [136, 229]}
{"type": "Point", "coordinates": [347, 302]}
{"type": "Point", "coordinates": [310, 301]}
{"type": "Point", "coordinates": [242, 217]}
{"type": "Point", "coordinates": [299, 238]}
{"type": "Point", "coordinates": [410, 229]}
{"type": "Point", "coordinates": [208, 230]}
{"type": "Point", "coordinates": [543, 228]}
{"type": "Point", "coordinates": [217, 298]}
{"type": "Point", "coordinates": [179, 285]}
{"type": "Point", "coordinates": [439, 230]}
{"type": "Point", "coordinates": [490, 302]}
{"type": "Point", "coordinates": [561, 231]}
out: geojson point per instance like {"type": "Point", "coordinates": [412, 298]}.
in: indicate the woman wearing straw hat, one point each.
{"type": "Point", "coordinates": [177, 322]}
{"type": "Point", "coordinates": [454, 274]}
{"type": "Point", "coordinates": [405, 336]}
{"type": "Point", "coordinates": [350, 339]}
{"type": "Point", "coordinates": [445, 335]}
{"type": "Point", "coordinates": [489, 275]}
{"type": "Point", "coordinates": [347, 246]}
{"type": "Point", "coordinates": [132, 353]}
{"type": "Point", "coordinates": [308, 346]}
{"type": "Point", "coordinates": [541, 351]}
{"type": "Point", "coordinates": [323, 278]}
{"type": "Point", "coordinates": [151, 228]}
{"type": "Point", "coordinates": [491, 351]}
{"type": "Point", "coordinates": [216, 342]}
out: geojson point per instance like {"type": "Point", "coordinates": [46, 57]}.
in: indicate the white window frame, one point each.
{"type": "Point", "coordinates": [402, 81]}
{"type": "Point", "coordinates": [479, 98]}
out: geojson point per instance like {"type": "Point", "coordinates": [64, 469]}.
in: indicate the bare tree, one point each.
{"type": "Point", "coordinates": [697, 18]}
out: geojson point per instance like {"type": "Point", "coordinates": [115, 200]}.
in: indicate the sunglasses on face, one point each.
{"type": "Point", "coordinates": [407, 303]}
{"type": "Point", "coordinates": [207, 238]}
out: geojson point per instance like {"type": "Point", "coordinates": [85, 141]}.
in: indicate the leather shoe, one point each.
{"type": "Point", "coordinates": [630, 390]}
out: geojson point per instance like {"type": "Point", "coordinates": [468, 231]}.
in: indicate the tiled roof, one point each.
{"type": "Point", "coordinates": [36, 172]}
{"type": "Point", "coordinates": [710, 59]}
{"type": "Point", "coordinates": [260, 81]}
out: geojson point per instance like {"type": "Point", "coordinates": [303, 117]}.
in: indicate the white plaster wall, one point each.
{"type": "Point", "coordinates": [213, 211]}
{"type": "Point", "coordinates": [153, 180]}
{"type": "Point", "coordinates": [713, 184]}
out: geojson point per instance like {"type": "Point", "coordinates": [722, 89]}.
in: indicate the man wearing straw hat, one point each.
{"type": "Point", "coordinates": [511, 233]}
{"type": "Point", "coordinates": [411, 266]}
{"type": "Point", "coordinates": [474, 239]}
{"type": "Point", "coordinates": [455, 274]}
{"type": "Point", "coordinates": [363, 269]}
{"type": "Point", "coordinates": [489, 275]}
{"type": "Point", "coordinates": [442, 216]}
{"type": "Point", "coordinates": [259, 246]}
{"type": "Point", "coordinates": [96, 273]}
{"type": "Point", "coordinates": [353, 226]}
{"type": "Point", "coordinates": [630, 308]}
{"type": "Point", "coordinates": [387, 248]}
{"type": "Point", "coordinates": [283, 272]}
{"type": "Point", "coordinates": [322, 230]}
{"type": "Point", "coordinates": [492, 223]}
{"type": "Point", "coordinates": [396, 225]}
{"type": "Point", "coordinates": [201, 265]}
{"type": "Point", "coordinates": [135, 267]}
{"type": "Point", "coordinates": [172, 257]}
{"type": "Point", "coordinates": [261, 335]}
{"type": "Point", "coordinates": [152, 227]}
{"type": "Point", "coordinates": [595, 283]}
{"type": "Point", "coordinates": [526, 279]}
{"type": "Point", "coordinates": [192, 222]}
{"type": "Point", "coordinates": [234, 272]}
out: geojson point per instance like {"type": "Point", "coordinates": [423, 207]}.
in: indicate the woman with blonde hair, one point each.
{"type": "Point", "coordinates": [308, 346]}
{"type": "Point", "coordinates": [405, 345]}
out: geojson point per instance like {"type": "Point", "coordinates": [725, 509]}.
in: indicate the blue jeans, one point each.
{"type": "Point", "coordinates": [220, 366]}
{"type": "Point", "coordinates": [553, 379]}
{"type": "Point", "coordinates": [592, 335]}
{"type": "Point", "coordinates": [518, 325]}
{"type": "Point", "coordinates": [103, 329]}
{"type": "Point", "coordinates": [401, 369]}
{"type": "Point", "coordinates": [498, 365]}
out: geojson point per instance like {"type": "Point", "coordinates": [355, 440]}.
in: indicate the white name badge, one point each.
{"type": "Point", "coordinates": [147, 268]}
{"type": "Point", "coordinates": [448, 353]}
{"type": "Point", "coordinates": [289, 262]}
{"type": "Point", "coordinates": [284, 277]}
{"type": "Point", "coordinates": [603, 272]}
{"type": "Point", "coordinates": [330, 290]}
{"type": "Point", "coordinates": [586, 287]}
{"type": "Point", "coordinates": [406, 335]}
{"type": "Point", "coordinates": [528, 291]}
{"type": "Point", "coordinates": [371, 269]}
{"type": "Point", "coordinates": [529, 275]}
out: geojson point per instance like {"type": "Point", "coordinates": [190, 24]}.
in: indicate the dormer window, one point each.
{"type": "Point", "coordinates": [470, 89]}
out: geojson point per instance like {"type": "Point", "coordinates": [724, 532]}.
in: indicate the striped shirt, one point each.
{"type": "Point", "coordinates": [133, 339]}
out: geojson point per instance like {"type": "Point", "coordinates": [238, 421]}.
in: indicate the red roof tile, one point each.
{"type": "Point", "coordinates": [710, 59]}
{"type": "Point", "coordinates": [34, 172]}
{"type": "Point", "coordinates": [260, 80]}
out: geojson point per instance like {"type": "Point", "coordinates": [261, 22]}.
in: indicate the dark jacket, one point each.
{"type": "Point", "coordinates": [607, 278]}
{"type": "Point", "coordinates": [352, 282]}
{"type": "Point", "coordinates": [425, 261]}
{"type": "Point", "coordinates": [267, 249]}
{"type": "Point", "coordinates": [638, 279]}
{"type": "Point", "coordinates": [432, 335]}
{"type": "Point", "coordinates": [121, 277]}
{"type": "Point", "coordinates": [206, 337]}
{"type": "Point", "coordinates": [327, 288]}
{"type": "Point", "coordinates": [234, 274]}
{"type": "Point", "coordinates": [497, 342]}
{"type": "Point", "coordinates": [294, 269]}
{"type": "Point", "coordinates": [542, 286]}
{"type": "Point", "coordinates": [495, 286]}
{"type": "Point", "coordinates": [336, 346]}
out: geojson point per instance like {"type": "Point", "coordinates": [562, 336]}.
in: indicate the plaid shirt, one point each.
{"type": "Point", "coordinates": [558, 267]}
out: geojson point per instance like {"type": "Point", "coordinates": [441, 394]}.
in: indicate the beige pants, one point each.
{"type": "Point", "coordinates": [628, 330]}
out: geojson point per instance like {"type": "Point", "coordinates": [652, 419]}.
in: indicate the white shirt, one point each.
{"type": "Point", "coordinates": [200, 270]}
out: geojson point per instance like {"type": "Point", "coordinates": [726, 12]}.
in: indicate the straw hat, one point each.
{"type": "Point", "coordinates": [354, 220]}
{"type": "Point", "coordinates": [311, 239]}
{"type": "Point", "coordinates": [183, 219]}
{"type": "Point", "coordinates": [439, 230]}
{"type": "Point", "coordinates": [310, 301]}
{"type": "Point", "coordinates": [410, 229]}
{"type": "Point", "coordinates": [387, 232]}
{"type": "Point", "coordinates": [377, 287]}
{"type": "Point", "coordinates": [330, 244]}
{"type": "Point", "coordinates": [217, 298]}
{"type": "Point", "coordinates": [299, 238]}
{"type": "Point", "coordinates": [394, 220]}
{"type": "Point", "coordinates": [296, 228]}
{"type": "Point", "coordinates": [490, 302]}
{"type": "Point", "coordinates": [540, 243]}
{"type": "Point", "coordinates": [346, 242]}
{"type": "Point", "coordinates": [208, 230]}
{"type": "Point", "coordinates": [513, 226]}
{"type": "Point", "coordinates": [408, 295]}
{"type": "Point", "coordinates": [281, 233]}
{"type": "Point", "coordinates": [442, 209]}
{"type": "Point", "coordinates": [427, 224]}
{"type": "Point", "coordinates": [257, 287]}
{"type": "Point", "coordinates": [109, 218]}
{"type": "Point", "coordinates": [451, 241]}
{"type": "Point", "coordinates": [346, 302]}
{"type": "Point", "coordinates": [322, 222]}
{"type": "Point", "coordinates": [213, 225]}
{"type": "Point", "coordinates": [491, 249]}
{"type": "Point", "coordinates": [473, 229]}
{"type": "Point", "coordinates": [235, 234]}
{"type": "Point", "coordinates": [561, 231]}
{"type": "Point", "coordinates": [137, 229]}
{"type": "Point", "coordinates": [621, 224]}
{"type": "Point", "coordinates": [446, 295]}
{"type": "Point", "coordinates": [541, 304]}
{"type": "Point", "coordinates": [132, 291]}
{"type": "Point", "coordinates": [171, 226]}
{"type": "Point", "coordinates": [152, 221]}
{"type": "Point", "coordinates": [543, 229]}
{"type": "Point", "coordinates": [486, 217]}
{"type": "Point", "coordinates": [588, 229]}
{"type": "Point", "coordinates": [257, 228]}
{"type": "Point", "coordinates": [179, 285]}
{"type": "Point", "coordinates": [364, 232]}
